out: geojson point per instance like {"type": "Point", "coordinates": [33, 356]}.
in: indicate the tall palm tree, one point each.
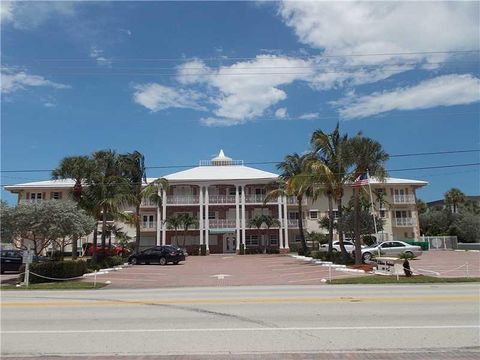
{"type": "Point", "coordinates": [367, 156]}
{"type": "Point", "coordinates": [333, 151]}
{"type": "Point", "coordinates": [269, 222]}
{"type": "Point", "coordinates": [107, 188]}
{"type": "Point", "coordinates": [453, 198]}
{"type": "Point", "coordinates": [257, 222]}
{"type": "Point", "coordinates": [295, 183]}
{"type": "Point", "coordinates": [78, 168]}
{"type": "Point", "coordinates": [186, 221]}
{"type": "Point", "coordinates": [174, 222]}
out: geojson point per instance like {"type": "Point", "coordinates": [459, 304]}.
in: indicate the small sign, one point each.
{"type": "Point", "coordinates": [27, 257]}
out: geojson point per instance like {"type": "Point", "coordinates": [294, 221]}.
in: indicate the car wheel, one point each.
{"type": "Point", "coordinates": [409, 254]}
{"type": "Point", "coordinates": [176, 262]}
{"type": "Point", "coordinates": [163, 261]}
{"type": "Point", "coordinates": [133, 261]}
{"type": "Point", "coordinates": [367, 256]}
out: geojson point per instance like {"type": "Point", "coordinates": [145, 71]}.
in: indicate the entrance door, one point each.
{"type": "Point", "coordinates": [229, 243]}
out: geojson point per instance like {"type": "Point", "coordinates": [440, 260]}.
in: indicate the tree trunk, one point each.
{"type": "Point", "coordinates": [356, 226]}
{"type": "Point", "coordinates": [340, 232]}
{"type": "Point", "coordinates": [300, 227]}
{"type": "Point", "coordinates": [110, 243]}
{"type": "Point", "coordinates": [95, 242]}
{"type": "Point", "coordinates": [184, 237]}
{"type": "Point", "coordinates": [62, 251]}
{"type": "Point", "coordinates": [330, 224]}
{"type": "Point", "coordinates": [137, 229]}
{"type": "Point", "coordinates": [74, 247]}
{"type": "Point", "coordinates": [104, 229]}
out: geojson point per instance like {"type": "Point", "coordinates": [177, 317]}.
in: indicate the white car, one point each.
{"type": "Point", "coordinates": [349, 246]}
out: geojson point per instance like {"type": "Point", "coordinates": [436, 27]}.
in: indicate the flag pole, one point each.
{"type": "Point", "coordinates": [371, 202]}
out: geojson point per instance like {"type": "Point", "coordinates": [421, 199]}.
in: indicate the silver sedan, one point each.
{"type": "Point", "coordinates": [391, 248]}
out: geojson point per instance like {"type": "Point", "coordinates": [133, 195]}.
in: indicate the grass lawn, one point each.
{"type": "Point", "coordinates": [64, 285]}
{"type": "Point", "coordinates": [417, 279]}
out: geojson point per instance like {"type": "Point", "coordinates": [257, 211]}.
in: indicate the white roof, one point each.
{"type": "Point", "coordinates": [224, 172]}
{"type": "Point", "coordinates": [398, 181]}
{"type": "Point", "coordinates": [61, 183]}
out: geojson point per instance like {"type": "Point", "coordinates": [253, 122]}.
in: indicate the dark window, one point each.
{"type": "Point", "coordinates": [397, 244]}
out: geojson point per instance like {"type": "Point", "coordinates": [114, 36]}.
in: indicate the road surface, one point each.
{"type": "Point", "coordinates": [257, 322]}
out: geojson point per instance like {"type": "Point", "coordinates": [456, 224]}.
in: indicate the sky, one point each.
{"type": "Point", "coordinates": [178, 81]}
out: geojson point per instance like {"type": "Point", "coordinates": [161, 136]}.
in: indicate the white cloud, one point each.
{"type": "Point", "coordinates": [244, 90]}
{"type": "Point", "coordinates": [281, 113]}
{"type": "Point", "coordinates": [361, 27]}
{"type": "Point", "coordinates": [213, 121]}
{"type": "Point", "coordinates": [444, 90]}
{"type": "Point", "coordinates": [13, 80]}
{"type": "Point", "coordinates": [97, 54]}
{"type": "Point", "coordinates": [156, 97]}
{"type": "Point", "coordinates": [28, 15]}
{"type": "Point", "coordinates": [309, 116]}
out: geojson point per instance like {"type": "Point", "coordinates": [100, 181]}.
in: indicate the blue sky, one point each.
{"type": "Point", "coordinates": [180, 80]}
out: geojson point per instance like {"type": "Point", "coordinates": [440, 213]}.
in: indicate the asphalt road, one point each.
{"type": "Point", "coordinates": [260, 321]}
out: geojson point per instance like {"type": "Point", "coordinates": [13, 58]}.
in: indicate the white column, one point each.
{"type": "Point", "coordinates": [200, 221]}
{"type": "Point", "coordinates": [159, 223]}
{"type": "Point", "coordinates": [207, 232]}
{"type": "Point", "coordinates": [237, 216]}
{"type": "Point", "coordinates": [285, 221]}
{"type": "Point", "coordinates": [164, 217]}
{"type": "Point", "coordinates": [244, 223]}
{"type": "Point", "coordinates": [280, 228]}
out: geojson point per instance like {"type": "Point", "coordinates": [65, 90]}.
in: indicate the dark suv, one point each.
{"type": "Point", "coordinates": [158, 254]}
{"type": "Point", "coordinates": [11, 260]}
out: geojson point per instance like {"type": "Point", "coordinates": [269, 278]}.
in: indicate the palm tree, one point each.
{"type": "Point", "coordinates": [107, 189]}
{"type": "Point", "coordinates": [369, 157]}
{"type": "Point", "coordinates": [174, 222]}
{"type": "Point", "coordinates": [257, 222]}
{"type": "Point", "coordinates": [78, 168]}
{"type": "Point", "coordinates": [296, 183]}
{"type": "Point", "coordinates": [332, 150]}
{"type": "Point", "coordinates": [186, 221]}
{"type": "Point", "coordinates": [269, 222]}
{"type": "Point", "coordinates": [453, 198]}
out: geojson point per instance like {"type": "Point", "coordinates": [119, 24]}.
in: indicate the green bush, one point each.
{"type": "Point", "coordinates": [253, 250]}
{"type": "Point", "coordinates": [422, 244]}
{"type": "Point", "coordinates": [242, 249]}
{"type": "Point", "coordinates": [369, 240]}
{"type": "Point", "coordinates": [273, 250]}
{"type": "Point", "coordinates": [334, 257]}
{"type": "Point", "coordinates": [106, 262]}
{"type": "Point", "coordinates": [203, 250]}
{"type": "Point", "coordinates": [55, 270]}
{"type": "Point", "coordinates": [301, 252]}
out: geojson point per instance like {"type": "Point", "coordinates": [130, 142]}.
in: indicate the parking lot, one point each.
{"type": "Point", "coordinates": [224, 270]}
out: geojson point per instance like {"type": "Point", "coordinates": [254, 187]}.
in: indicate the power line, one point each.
{"type": "Point", "coordinates": [264, 162]}
{"type": "Point", "coordinates": [227, 58]}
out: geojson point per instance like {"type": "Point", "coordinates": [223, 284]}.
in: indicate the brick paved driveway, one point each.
{"type": "Point", "coordinates": [268, 270]}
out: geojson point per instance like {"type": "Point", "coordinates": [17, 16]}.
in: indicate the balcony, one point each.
{"type": "Point", "coordinates": [222, 224]}
{"type": "Point", "coordinates": [148, 225]}
{"type": "Point", "coordinates": [292, 200]}
{"type": "Point", "coordinates": [221, 199]}
{"type": "Point", "coordinates": [148, 203]}
{"type": "Point", "coordinates": [182, 200]}
{"type": "Point", "coordinates": [404, 222]}
{"type": "Point", "coordinates": [258, 199]}
{"type": "Point", "coordinates": [404, 199]}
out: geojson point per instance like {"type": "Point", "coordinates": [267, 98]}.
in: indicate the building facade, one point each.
{"type": "Point", "coordinates": [223, 195]}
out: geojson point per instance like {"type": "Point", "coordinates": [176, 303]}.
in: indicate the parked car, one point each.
{"type": "Point", "coordinates": [11, 260]}
{"type": "Point", "coordinates": [117, 250]}
{"type": "Point", "coordinates": [349, 246]}
{"type": "Point", "coordinates": [162, 255]}
{"type": "Point", "coordinates": [391, 248]}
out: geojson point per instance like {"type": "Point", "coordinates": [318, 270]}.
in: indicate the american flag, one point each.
{"type": "Point", "coordinates": [361, 180]}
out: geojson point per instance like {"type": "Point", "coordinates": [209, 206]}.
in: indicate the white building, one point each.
{"type": "Point", "coordinates": [223, 195]}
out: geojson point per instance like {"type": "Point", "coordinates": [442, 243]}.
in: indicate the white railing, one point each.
{"type": "Point", "coordinates": [221, 223]}
{"type": "Point", "coordinates": [30, 201]}
{"type": "Point", "coordinates": [221, 199]}
{"type": "Point", "coordinates": [182, 199]}
{"type": "Point", "coordinates": [404, 221]}
{"type": "Point", "coordinates": [148, 202]}
{"type": "Point", "coordinates": [247, 221]}
{"type": "Point", "coordinates": [292, 200]}
{"type": "Point", "coordinates": [293, 223]}
{"type": "Point", "coordinates": [404, 199]}
{"type": "Point", "coordinates": [149, 225]}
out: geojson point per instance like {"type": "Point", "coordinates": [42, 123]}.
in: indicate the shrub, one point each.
{"type": "Point", "coordinates": [334, 257]}
{"type": "Point", "coordinates": [203, 250]}
{"type": "Point", "coordinates": [369, 240]}
{"type": "Point", "coordinates": [273, 250]}
{"type": "Point", "coordinates": [253, 250]}
{"type": "Point", "coordinates": [106, 262]}
{"type": "Point", "coordinates": [301, 252]}
{"type": "Point", "coordinates": [242, 249]}
{"type": "Point", "coordinates": [55, 270]}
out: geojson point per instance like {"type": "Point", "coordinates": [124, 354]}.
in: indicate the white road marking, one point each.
{"type": "Point", "coordinates": [220, 276]}
{"type": "Point", "coordinates": [320, 328]}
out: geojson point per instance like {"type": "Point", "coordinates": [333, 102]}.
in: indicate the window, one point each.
{"type": "Point", "coordinates": [260, 191]}
{"type": "Point", "coordinates": [273, 239]}
{"type": "Point", "coordinates": [313, 214]}
{"type": "Point", "coordinates": [335, 214]}
{"type": "Point", "coordinates": [298, 238]}
{"type": "Point", "coordinates": [36, 196]}
{"type": "Point", "coordinates": [293, 215]}
{"type": "Point", "coordinates": [399, 214]}
{"type": "Point", "coordinates": [55, 195]}
{"type": "Point", "coordinates": [231, 191]}
{"type": "Point", "coordinates": [397, 244]}
{"type": "Point", "coordinates": [148, 221]}
{"type": "Point", "coordinates": [211, 215]}
{"type": "Point", "coordinates": [251, 240]}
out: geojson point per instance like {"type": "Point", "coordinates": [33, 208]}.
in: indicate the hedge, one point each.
{"type": "Point", "coordinates": [106, 262]}
{"type": "Point", "coordinates": [55, 269]}
{"type": "Point", "coordinates": [422, 244]}
{"type": "Point", "coordinates": [335, 257]}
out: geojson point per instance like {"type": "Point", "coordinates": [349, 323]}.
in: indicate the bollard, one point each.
{"type": "Point", "coordinates": [95, 279]}
{"type": "Point", "coordinates": [329, 273]}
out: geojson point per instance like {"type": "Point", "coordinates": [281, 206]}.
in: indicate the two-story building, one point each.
{"type": "Point", "coordinates": [223, 195]}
